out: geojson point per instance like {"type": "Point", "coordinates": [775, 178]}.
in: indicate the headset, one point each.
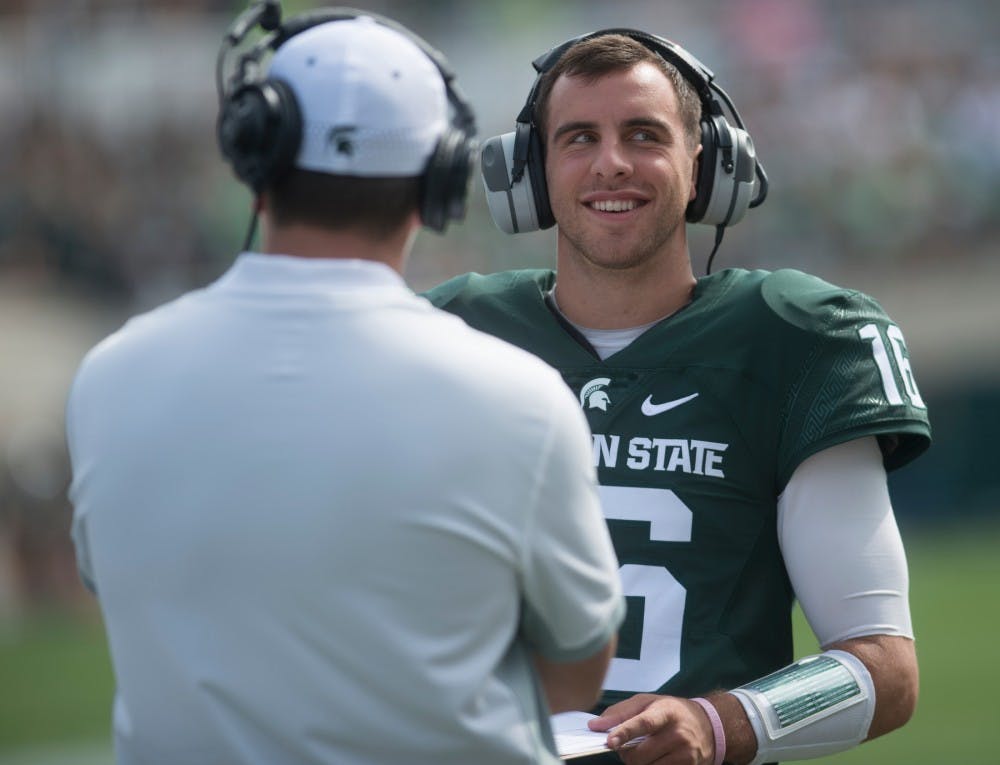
{"type": "Point", "coordinates": [259, 128]}
{"type": "Point", "coordinates": [730, 179]}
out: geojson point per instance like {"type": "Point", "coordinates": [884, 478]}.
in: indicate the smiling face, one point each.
{"type": "Point", "coordinates": [620, 173]}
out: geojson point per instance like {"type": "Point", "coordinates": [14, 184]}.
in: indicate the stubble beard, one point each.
{"type": "Point", "coordinates": [603, 252]}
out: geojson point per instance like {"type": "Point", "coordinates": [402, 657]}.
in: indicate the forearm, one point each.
{"type": "Point", "coordinates": [574, 685]}
{"type": "Point", "coordinates": [892, 662]}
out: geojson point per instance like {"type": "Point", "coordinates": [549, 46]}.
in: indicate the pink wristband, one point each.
{"type": "Point", "coordinates": [717, 729]}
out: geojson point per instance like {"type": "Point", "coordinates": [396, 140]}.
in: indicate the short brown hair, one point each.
{"type": "Point", "coordinates": [376, 206]}
{"type": "Point", "coordinates": [598, 56]}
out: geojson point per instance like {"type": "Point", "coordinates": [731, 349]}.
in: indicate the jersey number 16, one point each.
{"type": "Point", "coordinates": [874, 335]}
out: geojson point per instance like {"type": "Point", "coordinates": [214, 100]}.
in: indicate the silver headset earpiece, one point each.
{"type": "Point", "coordinates": [730, 179]}
{"type": "Point", "coordinates": [511, 203]}
{"type": "Point", "coordinates": [734, 185]}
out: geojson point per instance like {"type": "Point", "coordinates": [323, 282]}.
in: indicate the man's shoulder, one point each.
{"type": "Point", "coordinates": [509, 305]}
{"type": "Point", "coordinates": [482, 290]}
{"type": "Point", "coordinates": [131, 345]}
{"type": "Point", "coordinates": [479, 313]}
{"type": "Point", "coordinates": [790, 298]}
{"type": "Point", "coordinates": [799, 297]}
{"type": "Point", "coordinates": [837, 358]}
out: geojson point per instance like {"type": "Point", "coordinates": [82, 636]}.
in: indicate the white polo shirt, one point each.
{"type": "Point", "coordinates": [327, 522]}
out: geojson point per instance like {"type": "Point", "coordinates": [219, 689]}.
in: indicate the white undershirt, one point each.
{"type": "Point", "coordinates": [842, 547]}
{"type": "Point", "coordinates": [609, 341]}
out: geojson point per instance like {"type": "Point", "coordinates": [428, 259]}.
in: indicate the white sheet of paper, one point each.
{"type": "Point", "coordinates": [574, 738]}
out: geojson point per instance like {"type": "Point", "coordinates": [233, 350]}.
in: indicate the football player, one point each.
{"type": "Point", "coordinates": [742, 422]}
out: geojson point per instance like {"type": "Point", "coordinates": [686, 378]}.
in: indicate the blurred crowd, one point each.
{"type": "Point", "coordinates": [878, 123]}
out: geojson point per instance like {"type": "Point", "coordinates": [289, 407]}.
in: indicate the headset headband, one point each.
{"type": "Point", "coordinates": [464, 118]}
{"type": "Point", "coordinates": [695, 72]}
{"type": "Point", "coordinates": [700, 77]}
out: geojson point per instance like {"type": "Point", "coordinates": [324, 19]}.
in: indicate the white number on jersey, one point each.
{"type": "Point", "coordinates": [660, 649]}
{"type": "Point", "coordinates": [885, 369]}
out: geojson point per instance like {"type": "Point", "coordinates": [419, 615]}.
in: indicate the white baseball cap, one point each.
{"type": "Point", "coordinates": [372, 102]}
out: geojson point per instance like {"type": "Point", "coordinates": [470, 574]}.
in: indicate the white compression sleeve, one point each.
{"type": "Point", "coordinates": [842, 547]}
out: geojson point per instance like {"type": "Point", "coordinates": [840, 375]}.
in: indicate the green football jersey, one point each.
{"type": "Point", "coordinates": [697, 426]}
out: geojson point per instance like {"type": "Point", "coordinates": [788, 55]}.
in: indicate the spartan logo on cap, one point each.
{"type": "Point", "coordinates": [593, 395]}
{"type": "Point", "coordinates": [340, 138]}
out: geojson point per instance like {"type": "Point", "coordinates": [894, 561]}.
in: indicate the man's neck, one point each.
{"type": "Point", "coordinates": [305, 241]}
{"type": "Point", "coordinates": [603, 298]}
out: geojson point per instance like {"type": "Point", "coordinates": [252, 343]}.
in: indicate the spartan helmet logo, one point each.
{"type": "Point", "coordinates": [593, 395]}
{"type": "Point", "coordinates": [341, 138]}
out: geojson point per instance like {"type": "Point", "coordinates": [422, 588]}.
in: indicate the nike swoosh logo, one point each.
{"type": "Point", "coordinates": [651, 410]}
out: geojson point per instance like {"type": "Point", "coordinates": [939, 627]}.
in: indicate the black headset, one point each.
{"type": "Point", "coordinates": [260, 126]}
{"type": "Point", "coordinates": [730, 178]}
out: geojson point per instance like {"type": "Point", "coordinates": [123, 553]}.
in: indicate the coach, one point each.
{"type": "Point", "coordinates": [326, 522]}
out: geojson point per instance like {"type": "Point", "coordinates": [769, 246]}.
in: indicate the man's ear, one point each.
{"type": "Point", "coordinates": [695, 161]}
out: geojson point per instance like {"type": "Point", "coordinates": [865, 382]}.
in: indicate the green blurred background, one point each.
{"type": "Point", "coordinates": [878, 122]}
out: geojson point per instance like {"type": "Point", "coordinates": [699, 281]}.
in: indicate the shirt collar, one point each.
{"type": "Point", "coordinates": [254, 270]}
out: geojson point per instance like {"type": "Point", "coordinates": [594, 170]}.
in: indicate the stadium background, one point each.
{"type": "Point", "coordinates": [879, 125]}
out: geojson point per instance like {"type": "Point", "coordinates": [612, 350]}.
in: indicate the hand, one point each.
{"type": "Point", "coordinates": [676, 731]}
